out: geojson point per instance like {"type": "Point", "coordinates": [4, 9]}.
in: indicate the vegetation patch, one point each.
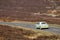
{"type": "Point", "coordinates": [54, 25]}
{"type": "Point", "coordinates": [14, 33]}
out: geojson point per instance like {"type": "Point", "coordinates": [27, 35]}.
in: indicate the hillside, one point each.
{"type": "Point", "coordinates": [29, 10]}
{"type": "Point", "coordinates": [11, 33]}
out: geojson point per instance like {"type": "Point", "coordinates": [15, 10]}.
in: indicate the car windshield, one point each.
{"type": "Point", "coordinates": [43, 22]}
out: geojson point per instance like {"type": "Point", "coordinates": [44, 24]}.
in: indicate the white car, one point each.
{"type": "Point", "coordinates": [41, 25]}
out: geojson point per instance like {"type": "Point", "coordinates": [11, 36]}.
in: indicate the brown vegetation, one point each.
{"type": "Point", "coordinates": [11, 33]}
{"type": "Point", "coordinates": [24, 10]}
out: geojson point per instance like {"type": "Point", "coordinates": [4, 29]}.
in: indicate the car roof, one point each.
{"type": "Point", "coordinates": [42, 21]}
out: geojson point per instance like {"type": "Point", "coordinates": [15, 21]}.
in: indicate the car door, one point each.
{"type": "Point", "coordinates": [38, 25]}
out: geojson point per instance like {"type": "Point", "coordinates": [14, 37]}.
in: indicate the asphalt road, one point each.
{"type": "Point", "coordinates": [30, 25]}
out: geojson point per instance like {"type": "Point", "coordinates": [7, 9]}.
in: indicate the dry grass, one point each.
{"type": "Point", "coordinates": [54, 25]}
{"type": "Point", "coordinates": [20, 33]}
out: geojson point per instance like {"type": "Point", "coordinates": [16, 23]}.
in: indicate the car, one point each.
{"type": "Point", "coordinates": [41, 25]}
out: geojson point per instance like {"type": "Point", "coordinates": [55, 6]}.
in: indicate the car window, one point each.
{"type": "Point", "coordinates": [43, 23]}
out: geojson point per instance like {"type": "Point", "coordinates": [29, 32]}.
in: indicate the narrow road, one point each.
{"type": "Point", "coordinates": [30, 25]}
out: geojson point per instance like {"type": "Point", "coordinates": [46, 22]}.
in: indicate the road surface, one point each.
{"type": "Point", "coordinates": [30, 25]}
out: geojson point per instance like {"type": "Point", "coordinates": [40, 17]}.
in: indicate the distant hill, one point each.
{"type": "Point", "coordinates": [25, 9]}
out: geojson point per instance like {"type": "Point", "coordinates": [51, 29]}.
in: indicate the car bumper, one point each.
{"type": "Point", "coordinates": [43, 27]}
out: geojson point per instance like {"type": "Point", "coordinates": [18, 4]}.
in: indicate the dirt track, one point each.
{"type": "Point", "coordinates": [32, 26]}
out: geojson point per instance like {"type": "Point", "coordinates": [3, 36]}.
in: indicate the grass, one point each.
{"type": "Point", "coordinates": [38, 32]}
{"type": "Point", "coordinates": [54, 25]}
{"type": "Point", "coordinates": [21, 33]}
